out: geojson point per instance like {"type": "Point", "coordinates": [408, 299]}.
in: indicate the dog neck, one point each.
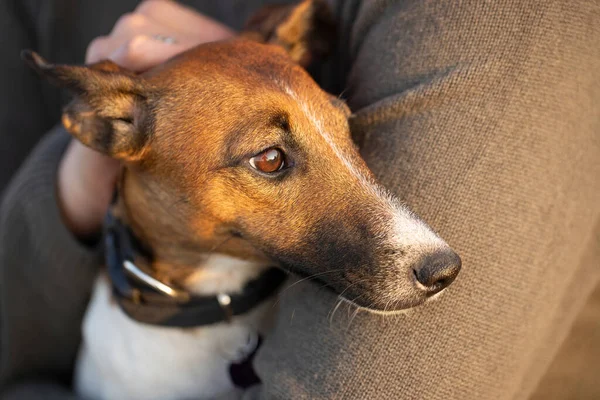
{"type": "Point", "coordinates": [201, 272]}
{"type": "Point", "coordinates": [221, 273]}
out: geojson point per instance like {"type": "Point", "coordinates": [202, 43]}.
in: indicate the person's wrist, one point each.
{"type": "Point", "coordinates": [84, 189]}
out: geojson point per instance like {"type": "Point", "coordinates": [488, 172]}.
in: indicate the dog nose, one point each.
{"type": "Point", "coordinates": [437, 270]}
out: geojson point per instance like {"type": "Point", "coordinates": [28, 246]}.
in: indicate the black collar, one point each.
{"type": "Point", "coordinates": [149, 301]}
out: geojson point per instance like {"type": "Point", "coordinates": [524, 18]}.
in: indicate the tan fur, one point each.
{"type": "Point", "coordinates": [186, 131]}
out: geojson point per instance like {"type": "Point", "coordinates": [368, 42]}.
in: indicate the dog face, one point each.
{"type": "Point", "coordinates": [232, 147]}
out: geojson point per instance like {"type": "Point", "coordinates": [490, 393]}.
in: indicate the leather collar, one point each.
{"type": "Point", "coordinates": [147, 300]}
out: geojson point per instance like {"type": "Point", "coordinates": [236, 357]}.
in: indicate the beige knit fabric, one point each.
{"type": "Point", "coordinates": [488, 125]}
{"type": "Point", "coordinates": [573, 374]}
{"type": "Point", "coordinates": [484, 116]}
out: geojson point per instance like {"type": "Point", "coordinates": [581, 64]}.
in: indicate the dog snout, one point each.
{"type": "Point", "coordinates": [437, 271]}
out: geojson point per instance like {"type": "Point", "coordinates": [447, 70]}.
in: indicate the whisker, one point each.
{"type": "Point", "coordinates": [342, 93]}
{"type": "Point", "coordinates": [311, 277]}
{"type": "Point", "coordinates": [387, 304]}
{"type": "Point", "coordinates": [332, 313]}
{"type": "Point", "coordinates": [356, 310]}
{"type": "Point", "coordinates": [221, 243]}
{"type": "Point", "coordinates": [340, 296]}
{"type": "Point", "coordinates": [385, 308]}
{"type": "Point", "coordinates": [352, 318]}
{"type": "Point", "coordinates": [353, 284]}
{"type": "Point", "coordinates": [302, 280]}
{"type": "Point", "coordinates": [211, 252]}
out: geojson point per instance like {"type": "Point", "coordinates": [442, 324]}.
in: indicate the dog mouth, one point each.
{"type": "Point", "coordinates": [392, 308]}
{"type": "Point", "coordinates": [371, 273]}
{"type": "Point", "coordinates": [370, 296]}
{"type": "Point", "coordinates": [383, 305]}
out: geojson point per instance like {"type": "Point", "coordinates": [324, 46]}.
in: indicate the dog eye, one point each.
{"type": "Point", "coordinates": [269, 161]}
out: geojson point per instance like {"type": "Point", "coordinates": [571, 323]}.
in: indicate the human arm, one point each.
{"type": "Point", "coordinates": [482, 118]}
{"type": "Point", "coordinates": [46, 273]}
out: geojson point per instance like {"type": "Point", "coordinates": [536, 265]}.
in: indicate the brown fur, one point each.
{"type": "Point", "coordinates": [185, 131]}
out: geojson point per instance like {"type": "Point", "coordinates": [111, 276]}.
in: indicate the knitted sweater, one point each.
{"type": "Point", "coordinates": [482, 116]}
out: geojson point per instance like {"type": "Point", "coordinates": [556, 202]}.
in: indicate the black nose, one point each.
{"type": "Point", "coordinates": [437, 270]}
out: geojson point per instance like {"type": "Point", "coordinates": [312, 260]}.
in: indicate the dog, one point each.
{"type": "Point", "coordinates": [236, 166]}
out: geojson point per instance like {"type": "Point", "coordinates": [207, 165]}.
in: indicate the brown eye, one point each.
{"type": "Point", "coordinates": [269, 161]}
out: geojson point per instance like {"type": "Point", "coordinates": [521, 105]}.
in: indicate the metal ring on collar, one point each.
{"type": "Point", "coordinates": [154, 283]}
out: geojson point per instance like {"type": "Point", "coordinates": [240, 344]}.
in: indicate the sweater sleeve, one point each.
{"type": "Point", "coordinates": [482, 117]}
{"type": "Point", "coordinates": [46, 275]}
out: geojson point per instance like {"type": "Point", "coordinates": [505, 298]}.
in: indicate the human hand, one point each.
{"type": "Point", "coordinates": [156, 31]}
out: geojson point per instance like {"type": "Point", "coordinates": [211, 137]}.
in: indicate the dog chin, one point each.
{"type": "Point", "coordinates": [399, 308]}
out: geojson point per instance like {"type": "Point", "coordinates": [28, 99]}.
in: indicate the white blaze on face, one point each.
{"type": "Point", "coordinates": [401, 227]}
{"type": "Point", "coordinates": [409, 231]}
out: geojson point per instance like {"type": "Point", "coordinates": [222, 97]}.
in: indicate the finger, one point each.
{"type": "Point", "coordinates": [131, 24]}
{"type": "Point", "coordinates": [179, 17]}
{"type": "Point", "coordinates": [143, 52]}
{"type": "Point", "coordinates": [127, 27]}
{"type": "Point", "coordinates": [99, 49]}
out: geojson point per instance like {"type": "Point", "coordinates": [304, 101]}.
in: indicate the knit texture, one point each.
{"type": "Point", "coordinates": [484, 118]}
{"type": "Point", "coordinates": [40, 335]}
{"type": "Point", "coordinates": [481, 115]}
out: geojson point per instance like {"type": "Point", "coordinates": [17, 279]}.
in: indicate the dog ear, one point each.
{"type": "Point", "coordinates": [305, 30]}
{"type": "Point", "coordinates": [108, 112]}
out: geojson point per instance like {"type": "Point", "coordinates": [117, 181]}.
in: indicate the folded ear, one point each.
{"type": "Point", "coordinates": [305, 30]}
{"type": "Point", "coordinates": [109, 111]}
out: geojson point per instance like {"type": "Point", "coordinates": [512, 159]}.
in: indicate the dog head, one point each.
{"type": "Point", "coordinates": [232, 147]}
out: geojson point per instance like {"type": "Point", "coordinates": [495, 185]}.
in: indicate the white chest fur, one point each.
{"type": "Point", "coordinates": [123, 359]}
